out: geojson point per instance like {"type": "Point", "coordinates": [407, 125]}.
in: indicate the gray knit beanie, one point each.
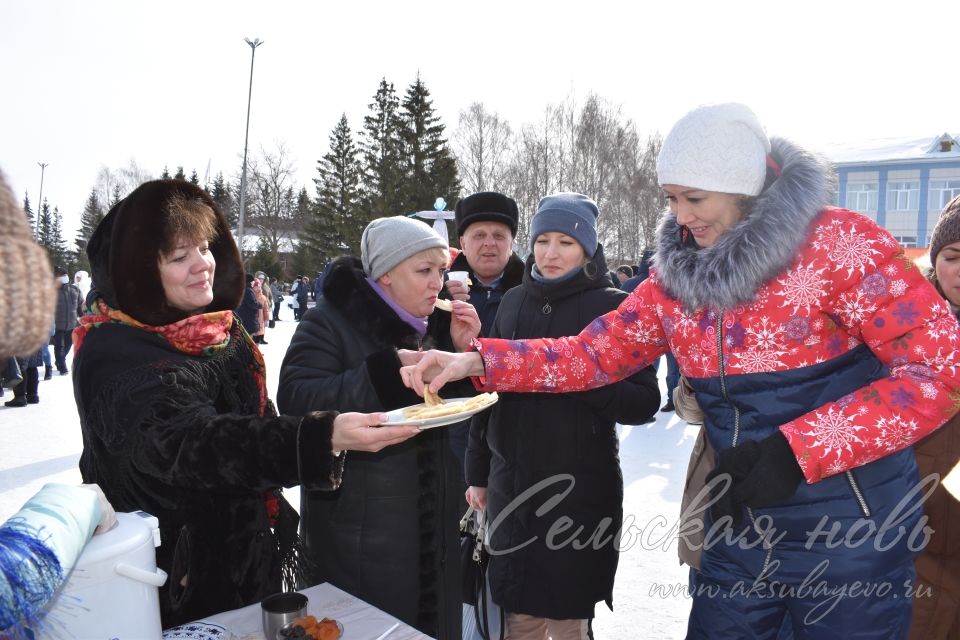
{"type": "Point", "coordinates": [386, 242]}
{"type": "Point", "coordinates": [573, 214]}
{"type": "Point", "coordinates": [947, 230]}
{"type": "Point", "coordinates": [716, 147]}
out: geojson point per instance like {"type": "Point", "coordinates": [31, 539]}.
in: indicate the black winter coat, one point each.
{"type": "Point", "coordinates": [179, 436]}
{"type": "Point", "coordinates": [389, 535]}
{"type": "Point", "coordinates": [486, 300]}
{"type": "Point", "coordinates": [562, 442]}
{"type": "Point", "coordinates": [249, 312]}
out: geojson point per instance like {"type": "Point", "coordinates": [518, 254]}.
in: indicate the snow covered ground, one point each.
{"type": "Point", "coordinates": [41, 443]}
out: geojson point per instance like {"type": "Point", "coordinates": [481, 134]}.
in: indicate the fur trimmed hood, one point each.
{"type": "Point", "coordinates": [125, 248]}
{"type": "Point", "coordinates": [755, 250]}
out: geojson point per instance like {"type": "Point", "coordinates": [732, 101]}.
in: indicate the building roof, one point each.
{"type": "Point", "coordinates": [886, 150]}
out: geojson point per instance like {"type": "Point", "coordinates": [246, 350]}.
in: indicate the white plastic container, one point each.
{"type": "Point", "coordinates": [111, 594]}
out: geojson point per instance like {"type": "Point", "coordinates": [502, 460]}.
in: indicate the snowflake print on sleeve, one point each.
{"type": "Point", "coordinates": [882, 300]}
{"type": "Point", "coordinates": [609, 349]}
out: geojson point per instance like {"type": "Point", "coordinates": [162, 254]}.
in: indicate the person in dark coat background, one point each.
{"type": "Point", "coordinates": [486, 224]}
{"type": "Point", "coordinates": [173, 406]}
{"type": "Point", "coordinates": [248, 311]}
{"type": "Point", "coordinates": [526, 439]}
{"type": "Point", "coordinates": [69, 308]}
{"type": "Point", "coordinates": [389, 535]}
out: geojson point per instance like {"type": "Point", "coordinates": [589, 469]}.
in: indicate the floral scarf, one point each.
{"type": "Point", "coordinates": [202, 335]}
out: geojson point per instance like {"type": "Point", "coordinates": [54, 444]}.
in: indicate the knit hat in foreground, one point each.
{"type": "Point", "coordinates": [573, 214]}
{"type": "Point", "coordinates": [386, 242]}
{"type": "Point", "coordinates": [717, 147]}
{"type": "Point", "coordinates": [947, 230]}
{"type": "Point", "coordinates": [27, 299]}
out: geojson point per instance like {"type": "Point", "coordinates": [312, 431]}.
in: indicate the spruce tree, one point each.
{"type": "Point", "coordinates": [180, 175]}
{"type": "Point", "coordinates": [115, 197]}
{"type": "Point", "coordinates": [338, 217]}
{"type": "Point", "coordinates": [220, 193]}
{"type": "Point", "coordinates": [92, 215]}
{"type": "Point", "coordinates": [57, 249]}
{"type": "Point", "coordinates": [29, 212]}
{"type": "Point", "coordinates": [194, 178]}
{"type": "Point", "coordinates": [431, 171]}
{"type": "Point", "coordinates": [44, 225]}
{"type": "Point", "coordinates": [382, 156]}
{"type": "Point", "coordinates": [166, 173]}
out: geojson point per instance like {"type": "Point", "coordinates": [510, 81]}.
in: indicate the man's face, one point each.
{"type": "Point", "coordinates": [487, 246]}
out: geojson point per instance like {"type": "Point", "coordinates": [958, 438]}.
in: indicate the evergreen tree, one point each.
{"type": "Point", "coordinates": [220, 193]}
{"type": "Point", "coordinates": [382, 155]}
{"type": "Point", "coordinates": [180, 175]}
{"type": "Point", "coordinates": [44, 225]}
{"type": "Point", "coordinates": [115, 197]}
{"type": "Point", "coordinates": [92, 215]}
{"type": "Point", "coordinates": [430, 170]}
{"type": "Point", "coordinates": [57, 249]}
{"type": "Point", "coordinates": [194, 178]}
{"type": "Point", "coordinates": [338, 217]}
{"type": "Point", "coordinates": [29, 212]}
{"type": "Point", "coordinates": [265, 259]}
{"type": "Point", "coordinates": [166, 173]}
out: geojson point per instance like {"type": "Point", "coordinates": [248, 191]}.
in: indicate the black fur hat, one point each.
{"type": "Point", "coordinates": [124, 253]}
{"type": "Point", "coordinates": [486, 206]}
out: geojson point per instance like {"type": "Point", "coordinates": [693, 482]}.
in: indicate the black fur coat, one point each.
{"type": "Point", "coordinates": [389, 534]}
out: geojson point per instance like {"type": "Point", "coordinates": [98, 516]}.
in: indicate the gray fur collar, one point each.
{"type": "Point", "coordinates": [754, 251]}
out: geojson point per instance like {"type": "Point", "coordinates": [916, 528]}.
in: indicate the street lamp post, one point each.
{"type": "Point", "coordinates": [43, 168]}
{"type": "Point", "coordinates": [246, 136]}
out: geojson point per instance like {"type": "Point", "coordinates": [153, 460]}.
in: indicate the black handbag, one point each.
{"type": "Point", "coordinates": [474, 559]}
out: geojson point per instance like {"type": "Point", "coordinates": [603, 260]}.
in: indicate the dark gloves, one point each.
{"type": "Point", "coordinates": [763, 473]}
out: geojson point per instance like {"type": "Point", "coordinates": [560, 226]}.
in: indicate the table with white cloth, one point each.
{"type": "Point", "coordinates": [361, 621]}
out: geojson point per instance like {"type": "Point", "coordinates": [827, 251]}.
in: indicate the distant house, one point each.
{"type": "Point", "coordinates": [901, 183]}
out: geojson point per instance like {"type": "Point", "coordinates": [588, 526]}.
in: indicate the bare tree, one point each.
{"type": "Point", "coordinates": [273, 199]}
{"type": "Point", "coordinates": [113, 184]}
{"type": "Point", "coordinates": [481, 144]}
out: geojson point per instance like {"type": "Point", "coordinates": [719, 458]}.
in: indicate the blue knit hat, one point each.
{"type": "Point", "coordinates": [573, 214]}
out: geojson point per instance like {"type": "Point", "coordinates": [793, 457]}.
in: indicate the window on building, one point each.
{"type": "Point", "coordinates": [903, 196]}
{"type": "Point", "coordinates": [862, 196]}
{"type": "Point", "coordinates": [907, 241]}
{"type": "Point", "coordinates": [942, 192]}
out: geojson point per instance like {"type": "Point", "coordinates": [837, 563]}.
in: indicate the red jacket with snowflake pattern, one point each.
{"type": "Point", "coordinates": [850, 285]}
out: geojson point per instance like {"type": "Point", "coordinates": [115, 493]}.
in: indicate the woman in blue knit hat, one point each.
{"type": "Point", "coordinates": [528, 449]}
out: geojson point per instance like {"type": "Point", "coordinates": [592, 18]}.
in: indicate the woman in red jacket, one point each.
{"type": "Point", "coordinates": [818, 353]}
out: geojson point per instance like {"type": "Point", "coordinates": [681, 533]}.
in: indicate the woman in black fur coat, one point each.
{"type": "Point", "coordinates": [174, 412]}
{"type": "Point", "coordinates": [389, 535]}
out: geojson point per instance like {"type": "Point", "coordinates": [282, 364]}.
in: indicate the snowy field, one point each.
{"type": "Point", "coordinates": [41, 443]}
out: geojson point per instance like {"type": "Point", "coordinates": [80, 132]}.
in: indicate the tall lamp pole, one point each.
{"type": "Point", "coordinates": [246, 136]}
{"type": "Point", "coordinates": [43, 168]}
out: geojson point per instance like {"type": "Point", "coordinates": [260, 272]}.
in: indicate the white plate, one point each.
{"type": "Point", "coordinates": [396, 417]}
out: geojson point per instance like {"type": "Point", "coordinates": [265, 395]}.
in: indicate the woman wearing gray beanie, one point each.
{"type": "Point", "coordinates": [526, 440]}
{"type": "Point", "coordinates": [389, 535]}
{"type": "Point", "coordinates": [819, 355]}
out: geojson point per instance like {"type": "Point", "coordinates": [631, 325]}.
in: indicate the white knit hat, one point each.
{"type": "Point", "coordinates": [716, 147]}
{"type": "Point", "coordinates": [386, 242]}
